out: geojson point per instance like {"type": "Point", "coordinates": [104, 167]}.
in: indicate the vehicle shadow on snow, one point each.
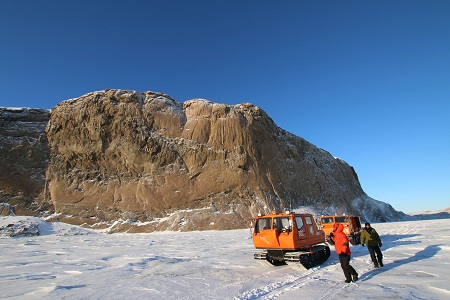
{"type": "Point", "coordinates": [426, 253]}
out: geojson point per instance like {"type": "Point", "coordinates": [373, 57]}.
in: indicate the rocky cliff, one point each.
{"type": "Point", "coordinates": [160, 164]}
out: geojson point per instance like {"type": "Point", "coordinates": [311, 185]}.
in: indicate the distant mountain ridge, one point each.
{"type": "Point", "coordinates": [430, 215]}
{"type": "Point", "coordinates": [145, 159]}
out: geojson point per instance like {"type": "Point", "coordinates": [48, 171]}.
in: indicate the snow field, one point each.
{"type": "Point", "coordinates": [68, 262]}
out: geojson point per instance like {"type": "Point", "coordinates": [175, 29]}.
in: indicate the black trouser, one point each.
{"type": "Point", "coordinates": [378, 259]}
{"type": "Point", "coordinates": [346, 267]}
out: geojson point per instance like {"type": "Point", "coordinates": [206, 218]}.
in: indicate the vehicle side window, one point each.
{"type": "Point", "coordinates": [308, 221]}
{"type": "Point", "coordinates": [341, 219]}
{"type": "Point", "coordinates": [299, 222]}
{"type": "Point", "coordinates": [263, 223]}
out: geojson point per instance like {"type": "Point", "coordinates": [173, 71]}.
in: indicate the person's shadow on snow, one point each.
{"type": "Point", "coordinates": [389, 241]}
{"type": "Point", "coordinates": [426, 253]}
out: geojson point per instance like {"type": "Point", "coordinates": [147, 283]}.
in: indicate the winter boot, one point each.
{"type": "Point", "coordinates": [381, 263]}
{"type": "Point", "coordinates": [354, 278]}
{"type": "Point", "coordinates": [376, 265]}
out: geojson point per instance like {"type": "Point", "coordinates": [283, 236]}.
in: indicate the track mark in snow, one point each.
{"type": "Point", "coordinates": [441, 288]}
{"type": "Point", "coordinates": [334, 288]}
{"type": "Point", "coordinates": [292, 282]}
{"type": "Point", "coordinates": [69, 287]}
{"type": "Point", "coordinates": [43, 291]}
{"type": "Point", "coordinates": [423, 274]}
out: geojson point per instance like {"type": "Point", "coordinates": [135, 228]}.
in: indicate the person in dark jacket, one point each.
{"type": "Point", "coordinates": [373, 241]}
{"type": "Point", "coordinates": [343, 249]}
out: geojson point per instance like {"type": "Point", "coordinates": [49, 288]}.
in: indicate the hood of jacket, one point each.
{"type": "Point", "coordinates": [338, 227]}
{"type": "Point", "coordinates": [369, 230]}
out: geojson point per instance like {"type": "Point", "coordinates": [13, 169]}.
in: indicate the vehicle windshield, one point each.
{"type": "Point", "coordinates": [262, 224]}
{"type": "Point", "coordinates": [282, 224]}
{"type": "Point", "coordinates": [341, 219]}
{"type": "Point", "coordinates": [327, 220]}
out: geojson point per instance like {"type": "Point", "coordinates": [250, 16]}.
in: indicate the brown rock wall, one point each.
{"type": "Point", "coordinates": [123, 155]}
{"type": "Point", "coordinates": [116, 152]}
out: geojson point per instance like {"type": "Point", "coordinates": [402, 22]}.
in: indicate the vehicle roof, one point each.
{"type": "Point", "coordinates": [343, 215]}
{"type": "Point", "coordinates": [284, 215]}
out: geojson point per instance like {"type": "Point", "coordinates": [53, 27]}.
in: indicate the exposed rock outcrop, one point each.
{"type": "Point", "coordinates": [195, 165]}
{"type": "Point", "coordinates": [158, 164]}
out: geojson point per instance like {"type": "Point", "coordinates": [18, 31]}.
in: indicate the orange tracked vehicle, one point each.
{"type": "Point", "coordinates": [289, 238]}
{"type": "Point", "coordinates": [352, 227]}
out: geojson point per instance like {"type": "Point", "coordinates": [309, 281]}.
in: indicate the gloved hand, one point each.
{"type": "Point", "coordinates": [331, 234]}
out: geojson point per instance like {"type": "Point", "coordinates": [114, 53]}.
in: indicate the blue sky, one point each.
{"type": "Point", "coordinates": [368, 81]}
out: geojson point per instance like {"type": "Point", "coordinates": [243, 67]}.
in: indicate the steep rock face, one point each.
{"type": "Point", "coordinates": [194, 165]}
{"type": "Point", "coordinates": [24, 155]}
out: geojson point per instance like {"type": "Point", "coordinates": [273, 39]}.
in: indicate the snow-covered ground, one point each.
{"type": "Point", "coordinates": [68, 262]}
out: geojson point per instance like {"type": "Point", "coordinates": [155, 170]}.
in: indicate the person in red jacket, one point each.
{"type": "Point", "coordinates": [343, 249]}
